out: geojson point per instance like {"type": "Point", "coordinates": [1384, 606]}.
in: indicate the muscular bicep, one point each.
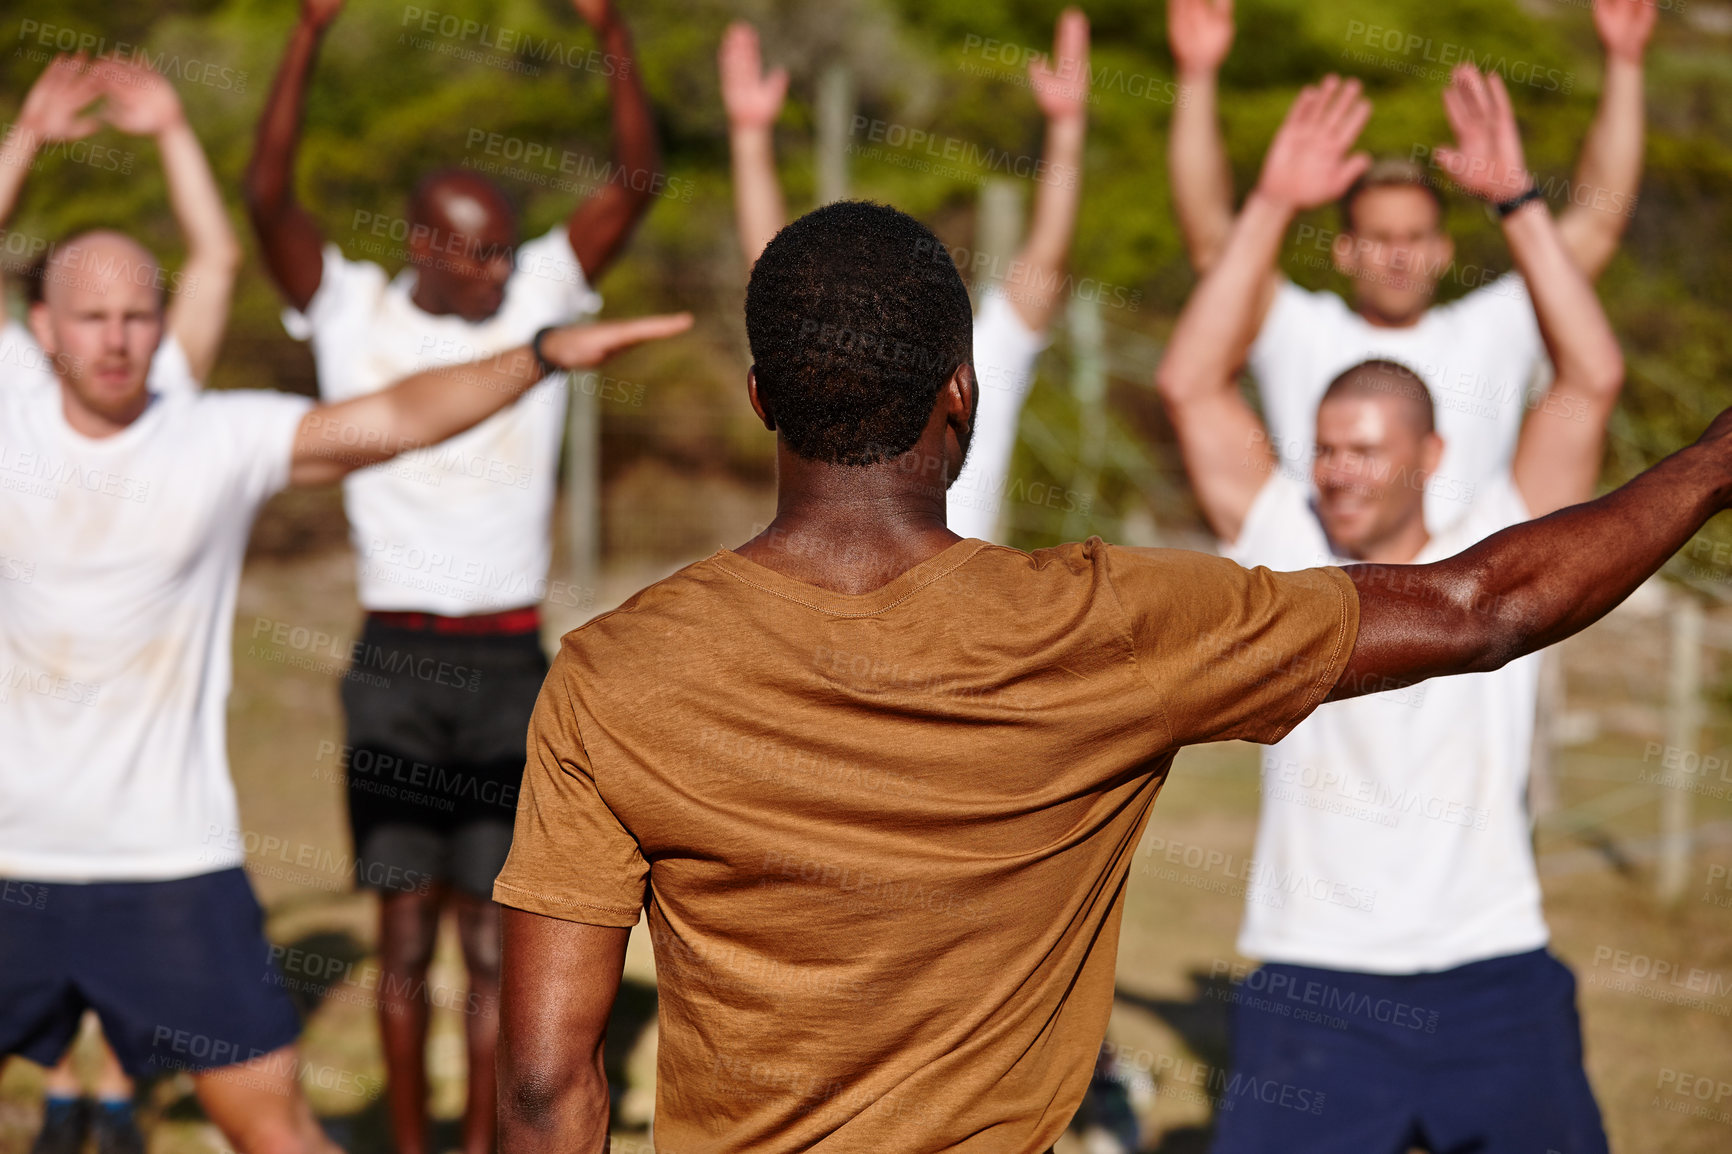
{"type": "Point", "coordinates": [558, 985]}
{"type": "Point", "coordinates": [294, 251]}
{"type": "Point", "coordinates": [1415, 622]}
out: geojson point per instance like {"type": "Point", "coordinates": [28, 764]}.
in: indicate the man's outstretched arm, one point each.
{"type": "Point", "coordinates": [291, 241]}
{"type": "Point", "coordinates": [558, 984]}
{"type": "Point", "coordinates": [1227, 454]}
{"type": "Point", "coordinates": [426, 408]}
{"type": "Point", "coordinates": [1610, 168]}
{"type": "Point", "coordinates": [1200, 33]}
{"type": "Point", "coordinates": [144, 103]}
{"type": "Point", "coordinates": [600, 226]}
{"type": "Point", "coordinates": [1536, 583]}
{"type": "Point", "coordinates": [753, 99]}
{"type": "Point", "coordinates": [1060, 85]}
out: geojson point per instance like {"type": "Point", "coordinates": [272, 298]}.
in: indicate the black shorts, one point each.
{"type": "Point", "coordinates": [179, 972]}
{"type": "Point", "coordinates": [436, 731]}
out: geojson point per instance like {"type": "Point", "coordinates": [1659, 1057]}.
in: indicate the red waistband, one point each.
{"type": "Point", "coordinates": [481, 624]}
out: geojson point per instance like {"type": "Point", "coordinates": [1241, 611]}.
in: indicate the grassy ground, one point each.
{"type": "Point", "coordinates": [1655, 1046]}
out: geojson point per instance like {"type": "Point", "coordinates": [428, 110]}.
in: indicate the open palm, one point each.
{"type": "Point", "coordinates": [1200, 32]}
{"type": "Point", "coordinates": [752, 97]}
{"type": "Point", "coordinates": [54, 109]}
{"type": "Point", "coordinates": [1061, 81]}
{"type": "Point", "coordinates": [1487, 158]}
{"type": "Point", "coordinates": [1308, 163]}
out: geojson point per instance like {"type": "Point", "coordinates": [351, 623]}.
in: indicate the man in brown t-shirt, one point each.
{"type": "Point", "coordinates": [878, 787]}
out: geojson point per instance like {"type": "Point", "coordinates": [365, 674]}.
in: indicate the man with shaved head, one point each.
{"type": "Point", "coordinates": [454, 545]}
{"type": "Point", "coordinates": [124, 517]}
{"type": "Point", "coordinates": [1394, 880]}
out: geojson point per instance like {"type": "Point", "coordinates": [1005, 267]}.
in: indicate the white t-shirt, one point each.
{"type": "Point", "coordinates": [22, 362]}
{"type": "Point", "coordinates": [119, 560]}
{"type": "Point", "coordinates": [462, 527]}
{"type": "Point", "coordinates": [1393, 836]}
{"type": "Point", "coordinates": [1004, 353]}
{"type": "Point", "coordinates": [1478, 355]}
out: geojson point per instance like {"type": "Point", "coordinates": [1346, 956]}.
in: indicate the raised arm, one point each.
{"type": "Point", "coordinates": [1227, 453]}
{"type": "Point", "coordinates": [144, 103]}
{"type": "Point", "coordinates": [1610, 169]}
{"type": "Point", "coordinates": [1060, 85]}
{"type": "Point", "coordinates": [1558, 456]}
{"type": "Point", "coordinates": [753, 99]}
{"type": "Point", "coordinates": [290, 239]}
{"type": "Point", "coordinates": [559, 981]}
{"type": "Point", "coordinates": [600, 226]}
{"type": "Point", "coordinates": [423, 409]}
{"type": "Point", "coordinates": [1200, 33]}
{"type": "Point", "coordinates": [54, 110]}
{"type": "Point", "coordinates": [1536, 583]}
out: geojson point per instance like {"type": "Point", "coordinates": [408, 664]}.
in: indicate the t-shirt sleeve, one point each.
{"type": "Point", "coordinates": [1005, 350]}
{"type": "Point", "coordinates": [259, 430]}
{"type": "Point", "coordinates": [343, 283]}
{"type": "Point", "coordinates": [170, 371]}
{"type": "Point", "coordinates": [1232, 652]}
{"type": "Point", "coordinates": [1283, 361]}
{"type": "Point", "coordinates": [549, 273]}
{"type": "Point", "coordinates": [571, 857]}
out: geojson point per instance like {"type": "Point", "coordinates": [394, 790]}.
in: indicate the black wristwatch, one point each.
{"type": "Point", "coordinates": [548, 368]}
{"type": "Point", "coordinates": [1505, 207]}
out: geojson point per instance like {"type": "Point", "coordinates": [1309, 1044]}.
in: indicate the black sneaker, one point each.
{"type": "Point", "coordinates": [116, 1129]}
{"type": "Point", "coordinates": [64, 1125]}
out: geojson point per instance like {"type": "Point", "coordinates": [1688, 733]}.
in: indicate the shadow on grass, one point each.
{"type": "Point", "coordinates": [1203, 1021]}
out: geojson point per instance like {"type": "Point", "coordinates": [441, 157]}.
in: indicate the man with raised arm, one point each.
{"type": "Point", "coordinates": [453, 545]}
{"type": "Point", "coordinates": [1478, 355]}
{"type": "Point", "coordinates": [1010, 328]}
{"type": "Point", "coordinates": [883, 853]}
{"type": "Point", "coordinates": [1394, 862]}
{"type": "Point", "coordinates": [140, 102]}
{"type": "Point", "coordinates": [125, 512]}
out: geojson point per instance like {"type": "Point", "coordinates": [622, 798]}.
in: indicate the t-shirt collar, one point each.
{"type": "Point", "coordinates": [899, 589]}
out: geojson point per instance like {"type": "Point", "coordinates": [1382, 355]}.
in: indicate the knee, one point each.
{"type": "Point", "coordinates": [409, 931]}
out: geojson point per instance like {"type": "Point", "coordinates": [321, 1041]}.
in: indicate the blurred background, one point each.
{"type": "Point", "coordinates": [1636, 871]}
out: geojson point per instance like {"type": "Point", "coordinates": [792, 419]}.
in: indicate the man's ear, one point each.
{"type": "Point", "coordinates": [962, 397]}
{"type": "Point", "coordinates": [758, 405]}
{"type": "Point", "coordinates": [1430, 453]}
{"type": "Point", "coordinates": [41, 329]}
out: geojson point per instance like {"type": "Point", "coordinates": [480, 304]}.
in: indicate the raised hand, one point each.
{"type": "Point", "coordinates": [320, 13]}
{"type": "Point", "coordinates": [1061, 81]}
{"type": "Point", "coordinates": [595, 13]}
{"type": "Point", "coordinates": [1308, 163]}
{"type": "Point", "coordinates": [1487, 158]}
{"type": "Point", "coordinates": [140, 100]}
{"type": "Point", "coordinates": [1624, 26]}
{"type": "Point", "coordinates": [54, 109]}
{"type": "Point", "coordinates": [584, 346]}
{"type": "Point", "coordinates": [752, 96]}
{"type": "Point", "coordinates": [1199, 32]}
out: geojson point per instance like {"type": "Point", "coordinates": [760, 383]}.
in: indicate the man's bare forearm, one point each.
{"type": "Point", "coordinates": [1201, 180]}
{"type": "Point", "coordinates": [1536, 583]}
{"type": "Point", "coordinates": [1577, 335]}
{"type": "Point", "coordinates": [759, 212]}
{"type": "Point", "coordinates": [1609, 172]}
{"type": "Point", "coordinates": [1219, 321]}
{"type": "Point", "coordinates": [290, 239]}
{"type": "Point", "coordinates": [1035, 282]}
{"type": "Point", "coordinates": [199, 313]}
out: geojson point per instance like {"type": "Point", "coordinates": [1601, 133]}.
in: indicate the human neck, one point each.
{"type": "Point", "coordinates": [1376, 319]}
{"type": "Point", "coordinates": [1399, 547]}
{"type": "Point", "coordinates": [853, 529]}
{"type": "Point", "coordinates": [88, 422]}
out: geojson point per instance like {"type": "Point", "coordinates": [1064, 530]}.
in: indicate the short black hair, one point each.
{"type": "Point", "coordinates": [856, 316]}
{"type": "Point", "coordinates": [1383, 378]}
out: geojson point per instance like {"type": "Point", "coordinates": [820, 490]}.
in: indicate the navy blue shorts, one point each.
{"type": "Point", "coordinates": [1485, 1057]}
{"type": "Point", "coordinates": [179, 971]}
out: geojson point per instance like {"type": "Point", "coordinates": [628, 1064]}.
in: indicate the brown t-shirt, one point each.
{"type": "Point", "coordinates": [885, 836]}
